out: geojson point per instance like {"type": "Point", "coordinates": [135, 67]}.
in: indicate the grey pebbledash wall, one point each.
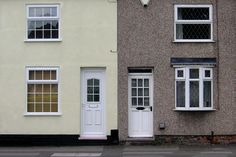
{"type": "Point", "coordinates": [145, 39]}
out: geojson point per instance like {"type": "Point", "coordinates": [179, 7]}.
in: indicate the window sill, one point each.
{"type": "Point", "coordinates": [42, 40]}
{"type": "Point", "coordinates": [194, 41]}
{"type": "Point", "coordinates": [195, 110]}
{"type": "Point", "coordinates": [43, 114]}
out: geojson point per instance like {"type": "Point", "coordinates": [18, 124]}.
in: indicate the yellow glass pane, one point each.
{"type": "Point", "coordinates": [54, 107]}
{"type": "Point", "coordinates": [31, 75]}
{"type": "Point", "coordinates": [39, 75]}
{"type": "Point", "coordinates": [30, 98]}
{"type": "Point", "coordinates": [46, 75]}
{"type": "Point", "coordinates": [46, 98]}
{"type": "Point", "coordinates": [38, 97]}
{"type": "Point", "coordinates": [54, 97]}
{"type": "Point", "coordinates": [54, 88]}
{"type": "Point", "coordinates": [53, 75]}
{"type": "Point", "coordinates": [39, 88]}
{"type": "Point", "coordinates": [38, 107]}
{"type": "Point", "coordinates": [30, 107]}
{"type": "Point", "coordinates": [31, 88]}
{"type": "Point", "coordinates": [46, 107]}
{"type": "Point", "coordinates": [46, 88]}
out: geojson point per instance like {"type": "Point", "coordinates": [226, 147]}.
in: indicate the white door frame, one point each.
{"type": "Point", "coordinates": [94, 71]}
{"type": "Point", "coordinates": [140, 75]}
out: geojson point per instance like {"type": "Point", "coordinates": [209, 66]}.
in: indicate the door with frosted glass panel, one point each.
{"type": "Point", "coordinates": [92, 103]}
{"type": "Point", "coordinates": [140, 105]}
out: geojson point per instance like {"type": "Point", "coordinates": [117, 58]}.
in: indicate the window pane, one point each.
{"type": "Point", "coordinates": [180, 93]}
{"type": "Point", "coordinates": [96, 82]}
{"type": "Point", "coordinates": [31, 34]}
{"type": "Point", "coordinates": [53, 75]}
{"type": "Point", "coordinates": [54, 98]}
{"type": "Point", "coordinates": [140, 91]}
{"type": "Point", "coordinates": [180, 73]}
{"type": "Point", "coordinates": [46, 75]}
{"type": "Point", "coordinates": [193, 31]}
{"type": "Point", "coordinates": [146, 82]}
{"type": "Point", "coordinates": [134, 82]}
{"type": "Point", "coordinates": [31, 75]}
{"type": "Point", "coordinates": [146, 101]}
{"type": "Point", "coordinates": [54, 88]}
{"type": "Point", "coordinates": [46, 98]}
{"type": "Point", "coordinates": [31, 25]}
{"type": "Point", "coordinates": [54, 107]}
{"type": "Point", "coordinates": [194, 94]}
{"type": "Point", "coordinates": [30, 107]}
{"type": "Point", "coordinates": [90, 98]}
{"type": "Point", "coordinates": [39, 12]}
{"type": "Point", "coordinates": [207, 93]}
{"type": "Point", "coordinates": [96, 98]}
{"type": "Point", "coordinates": [46, 12]}
{"type": "Point", "coordinates": [207, 73]}
{"type": "Point", "coordinates": [47, 24]}
{"type": "Point", "coordinates": [38, 107]}
{"type": "Point", "coordinates": [55, 34]}
{"type": "Point", "coordinates": [46, 88]}
{"type": "Point", "coordinates": [46, 107]}
{"type": "Point", "coordinates": [193, 14]}
{"type": "Point", "coordinates": [90, 90]}
{"type": "Point", "coordinates": [39, 34]}
{"type": "Point", "coordinates": [54, 11]}
{"type": "Point", "coordinates": [39, 75]}
{"type": "Point", "coordinates": [194, 73]}
{"type": "Point", "coordinates": [134, 101]}
{"type": "Point", "coordinates": [30, 98]}
{"type": "Point", "coordinates": [140, 101]}
{"type": "Point", "coordinates": [31, 88]}
{"type": "Point", "coordinates": [38, 98]}
{"type": "Point", "coordinates": [31, 12]}
{"type": "Point", "coordinates": [146, 91]}
{"type": "Point", "coordinates": [39, 25]}
{"type": "Point", "coordinates": [140, 82]}
{"type": "Point", "coordinates": [55, 24]}
{"type": "Point", "coordinates": [39, 88]}
{"type": "Point", "coordinates": [134, 92]}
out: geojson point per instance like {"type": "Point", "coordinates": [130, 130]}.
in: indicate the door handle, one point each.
{"type": "Point", "coordinates": [150, 108]}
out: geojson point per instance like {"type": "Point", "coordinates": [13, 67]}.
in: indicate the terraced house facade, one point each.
{"type": "Point", "coordinates": [58, 71]}
{"type": "Point", "coordinates": [176, 66]}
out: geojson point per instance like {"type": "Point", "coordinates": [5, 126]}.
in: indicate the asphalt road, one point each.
{"type": "Point", "coordinates": [121, 151]}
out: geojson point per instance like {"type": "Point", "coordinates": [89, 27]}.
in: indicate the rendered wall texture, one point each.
{"type": "Point", "coordinates": [88, 31]}
{"type": "Point", "coordinates": [145, 39]}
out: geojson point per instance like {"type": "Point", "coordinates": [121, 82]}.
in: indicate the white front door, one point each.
{"type": "Point", "coordinates": [140, 105]}
{"type": "Point", "coordinates": [93, 104]}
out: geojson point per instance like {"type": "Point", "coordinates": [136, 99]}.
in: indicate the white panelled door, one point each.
{"type": "Point", "coordinates": [140, 105]}
{"type": "Point", "coordinates": [93, 104]}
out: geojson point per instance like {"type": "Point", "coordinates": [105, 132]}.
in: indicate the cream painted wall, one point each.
{"type": "Point", "coordinates": [88, 31]}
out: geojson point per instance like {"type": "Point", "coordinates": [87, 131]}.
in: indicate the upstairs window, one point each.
{"type": "Point", "coordinates": [193, 23]}
{"type": "Point", "coordinates": [193, 88]}
{"type": "Point", "coordinates": [43, 22]}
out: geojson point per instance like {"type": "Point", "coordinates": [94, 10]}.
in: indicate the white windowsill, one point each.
{"type": "Point", "coordinates": [43, 114]}
{"type": "Point", "coordinates": [43, 40]}
{"type": "Point", "coordinates": [194, 110]}
{"type": "Point", "coordinates": [194, 41]}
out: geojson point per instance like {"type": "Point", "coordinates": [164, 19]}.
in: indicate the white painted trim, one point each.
{"type": "Point", "coordinates": [140, 75]}
{"type": "Point", "coordinates": [201, 80]}
{"type": "Point", "coordinates": [58, 17]}
{"type": "Point", "coordinates": [57, 81]}
{"type": "Point", "coordinates": [176, 21]}
{"type": "Point", "coordinates": [102, 71]}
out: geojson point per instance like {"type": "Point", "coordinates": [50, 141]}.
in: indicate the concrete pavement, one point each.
{"type": "Point", "coordinates": [121, 151]}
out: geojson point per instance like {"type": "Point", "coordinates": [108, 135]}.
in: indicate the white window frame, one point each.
{"type": "Point", "coordinates": [187, 80]}
{"type": "Point", "coordinates": [58, 17]}
{"type": "Point", "coordinates": [28, 81]}
{"type": "Point", "coordinates": [176, 21]}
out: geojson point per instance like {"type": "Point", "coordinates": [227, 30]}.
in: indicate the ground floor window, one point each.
{"type": "Point", "coordinates": [42, 90]}
{"type": "Point", "coordinates": [193, 88]}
